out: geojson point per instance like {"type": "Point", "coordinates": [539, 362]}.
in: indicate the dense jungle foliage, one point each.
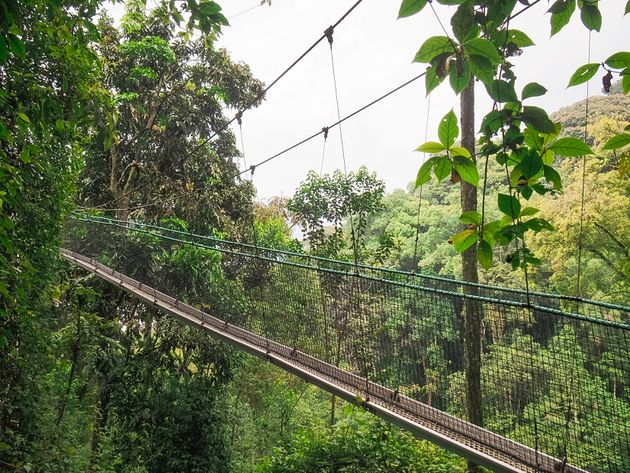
{"type": "Point", "coordinates": [110, 119]}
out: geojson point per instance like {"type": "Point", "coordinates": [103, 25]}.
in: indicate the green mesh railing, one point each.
{"type": "Point", "coordinates": [555, 372]}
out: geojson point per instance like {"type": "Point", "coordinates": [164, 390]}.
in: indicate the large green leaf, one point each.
{"type": "Point", "coordinates": [431, 80]}
{"type": "Point", "coordinates": [561, 14]}
{"type": "Point", "coordinates": [424, 173]}
{"type": "Point", "coordinates": [484, 254]}
{"type": "Point", "coordinates": [619, 60]}
{"type": "Point", "coordinates": [4, 51]}
{"type": "Point", "coordinates": [538, 119]}
{"type": "Point", "coordinates": [464, 240]}
{"type": "Point", "coordinates": [484, 48]}
{"type": "Point", "coordinates": [442, 168]}
{"type": "Point", "coordinates": [411, 7]}
{"type": "Point", "coordinates": [533, 89]}
{"type": "Point", "coordinates": [482, 68]}
{"type": "Point", "coordinates": [501, 91]}
{"type": "Point", "coordinates": [466, 169]}
{"type": "Point", "coordinates": [583, 74]}
{"type": "Point", "coordinates": [553, 177]}
{"type": "Point", "coordinates": [627, 9]}
{"type": "Point", "coordinates": [470, 217]}
{"type": "Point", "coordinates": [617, 141]}
{"type": "Point", "coordinates": [463, 20]}
{"type": "Point", "coordinates": [571, 147]}
{"type": "Point", "coordinates": [448, 131]}
{"type": "Point", "coordinates": [519, 38]}
{"type": "Point", "coordinates": [459, 151]}
{"type": "Point", "coordinates": [433, 47]}
{"type": "Point", "coordinates": [459, 75]}
{"type": "Point", "coordinates": [591, 16]}
{"type": "Point", "coordinates": [509, 205]}
{"type": "Point", "coordinates": [431, 147]}
{"type": "Point", "coordinates": [491, 122]}
{"type": "Point", "coordinates": [531, 164]}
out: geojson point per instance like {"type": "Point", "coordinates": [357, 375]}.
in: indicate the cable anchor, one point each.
{"type": "Point", "coordinates": [329, 34]}
{"type": "Point", "coordinates": [325, 130]}
{"type": "Point", "coordinates": [239, 118]}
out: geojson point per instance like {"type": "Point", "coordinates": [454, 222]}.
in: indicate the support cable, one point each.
{"type": "Point", "coordinates": [347, 117]}
{"type": "Point", "coordinates": [329, 36]}
{"type": "Point", "coordinates": [578, 288]}
{"type": "Point", "coordinates": [415, 246]}
{"type": "Point", "coordinates": [240, 112]}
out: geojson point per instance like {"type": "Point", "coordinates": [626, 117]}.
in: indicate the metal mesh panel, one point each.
{"type": "Point", "coordinates": [555, 373]}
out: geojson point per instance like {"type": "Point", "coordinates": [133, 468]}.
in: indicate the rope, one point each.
{"type": "Point", "coordinates": [339, 122]}
{"type": "Point", "coordinates": [426, 136]}
{"type": "Point", "coordinates": [329, 35]}
{"type": "Point", "coordinates": [578, 289]}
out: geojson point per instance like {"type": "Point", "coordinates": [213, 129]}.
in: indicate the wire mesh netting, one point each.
{"type": "Point", "coordinates": [555, 373]}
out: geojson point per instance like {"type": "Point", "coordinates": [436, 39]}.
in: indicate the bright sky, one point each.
{"type": "Point", "coordinates": [373, 54]}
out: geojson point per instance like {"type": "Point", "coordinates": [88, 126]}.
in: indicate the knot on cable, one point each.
{"type": "Point", "coordinates": [329, 34]}
{"type": "Point", "coordinates": [252, 169]}
{"type": "Point", "coordinates": [325, 130]}
{"type": "Point", "coordinates": [239, 118]}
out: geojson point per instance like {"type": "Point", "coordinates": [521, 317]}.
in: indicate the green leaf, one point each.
{"type": "Point", "coordinates": [519, 38]}
{"type": "Point", "coordinates": [619, 60]}
{"type": "Point", "coordinates": [538, 224]}
{"type": "Point", "coordinates": [459, 75]}
{"type": "Point", "coordinates": [583, 74]}
{"type": "Point", "coordinates": [431, 147]}
{"type": "Point", "coordinates": [442, 168]}
{"type": "Point", "coordinates": [464, 240]}
{"type": "Point", "coordinates": [463, 21]}
{"type": "Point", "coordinates": [501, 91]}
{"type": "Point", "coordinates": [15, 29]}
{"type": "Point", "coordinates": [432, 47]}
{"type": "Point", "coordinates": [570, 147]}
{"type": "Point", "coordinates": [553, 177]}
{"type": "Point", "coordinates": [470, 217]}
{"type": "Point", "coordinates": [23, 117]}
{"type": "Point", "coordinates": [533, 89]}
{"type": "Point", "coordinates": [617, 141]}
{"type": "Point", "coordinates": [529, 211]}
{"type": "Point", "coordinates": [448, 131]}
{"type": "Point", "coordinates": [627, 10]}
{"type": "Point", "coordinates": [591, 16]}
{"type": "Point", "coordinates": [424, 173]}
{"type": "Point", "coordinates": [509, 205]}
{"type": "Point", "coordinates": [459, 151]}
{"type": "Point", "coordinates": [482, 69]}
{"type": "Point", "coordinates": [17, 46]}
{"type": "Point", "coordinates": [491, 122]}
{"type": "Point", "coordinates": [4, 51]}
{"type": "Point", "coordinates": [484, 48]}
{"type": "Point", "coordinates": [531, 164]}
{"type": "Point", "coordinates": [466, 169]}
{"type": "Point", "coordinates": [538, 119]}
{"type": "Point", "coordinates": [561, 14]}
{"type": "Point", "coordinates": [431, 80]}
{"type": "Point", "coordinates": [411, 7]}
{"type": "Point", "coordinates": [484, 254]}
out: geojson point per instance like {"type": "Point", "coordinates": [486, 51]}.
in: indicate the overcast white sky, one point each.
{"type": "Point", "coordinates": [373, 54]}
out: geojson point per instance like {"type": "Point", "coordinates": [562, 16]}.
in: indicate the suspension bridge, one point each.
{"type": "Point", "coordinates": [555, 369]}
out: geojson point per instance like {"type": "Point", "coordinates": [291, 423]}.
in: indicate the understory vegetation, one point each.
{"type": "Point", "coordinates": [130, 121]}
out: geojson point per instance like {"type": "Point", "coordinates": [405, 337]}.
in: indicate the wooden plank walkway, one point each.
{"type": "Point", "coordinates": [468, 440]}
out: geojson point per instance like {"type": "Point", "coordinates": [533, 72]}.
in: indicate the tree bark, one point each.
{"type": "Point", "coordinates": [472, 310]}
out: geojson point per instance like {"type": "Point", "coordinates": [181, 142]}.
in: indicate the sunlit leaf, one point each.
{"type": "Point", "coordinates": [448, 131]}
{"type": "Point", "coordinates": [411, 7]}
{"type": "Point", "coordinates": [583, 74]}
{"type": "Point", "coordinates": [466, 169]}
{"type": "Point", "coordinates": [432, 47]}
{"type": "Point", "coordinates": [571, 147]}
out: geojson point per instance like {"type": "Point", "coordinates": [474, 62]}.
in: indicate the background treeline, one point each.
{"type": "Point", "coordinates": [96, 116]}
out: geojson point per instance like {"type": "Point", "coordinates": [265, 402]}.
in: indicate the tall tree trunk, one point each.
{"type": "Point", "coordinates": [472, 310]}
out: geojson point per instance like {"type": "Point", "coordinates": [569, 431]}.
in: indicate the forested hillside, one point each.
{"type": "Point", "coordinates": [129, 120]}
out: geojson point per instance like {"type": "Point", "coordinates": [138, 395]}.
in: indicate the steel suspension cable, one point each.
{"type": "Point", "coordinates": [337, 123]}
